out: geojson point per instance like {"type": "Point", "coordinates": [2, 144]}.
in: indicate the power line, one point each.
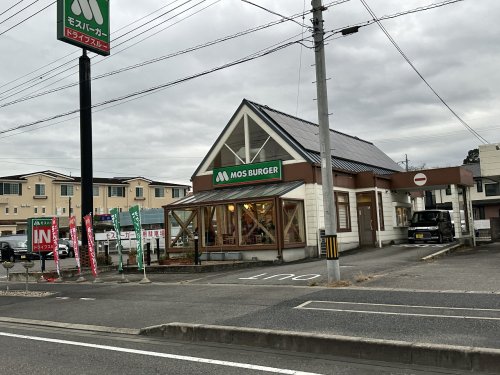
{"type": "Point", "coordinates": [27, 18]}
{"type": "Point", "coordinates": [19, 11]}
{"type": "Point", "coordinates": [152, 61]}
{"type": "Point", "coordinates": [161, 15]}
{"type": "Point", "coordinates": [38, 82]}
{"type": "Point", "coordinates": [150, 90]}
{"type": "Point", "coordinates": [74, 52]}
{"type": "Point", "coordinates": [471, 130]}
{"type": "Point", "coordinates": [390, 16]}
{"type": "Point", "coordinates": [6, 10]}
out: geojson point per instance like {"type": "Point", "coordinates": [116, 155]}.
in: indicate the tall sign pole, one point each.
{"type": "Point", "coordinates": [86, 141]}
{"type": "Point", "coordinates": [332, 257]}
{"type": "Point", "coordinates": [85, 23]}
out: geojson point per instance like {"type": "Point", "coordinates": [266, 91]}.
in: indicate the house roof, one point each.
{"type": "Point", "coordinates": [61, 178]}
{"type": "Point", "coordinates": [349, 153]}
{"type": "Point", "coordinates": [475, 168]}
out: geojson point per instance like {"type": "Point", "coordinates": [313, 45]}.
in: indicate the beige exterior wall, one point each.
{"type": "Point", "coordinates": [18, 208]}
{"type": "Point", "coordinates": [490, 160]}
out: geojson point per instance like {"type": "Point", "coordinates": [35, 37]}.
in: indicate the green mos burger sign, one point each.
{"type": "Point", "coordinates": [248, 173]}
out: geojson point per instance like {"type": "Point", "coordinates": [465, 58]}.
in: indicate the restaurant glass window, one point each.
{"type": "Point", "coordinates": [403, 216]}
{"type": "Point", "coordinates": [219, 225]}
{"type": "Point", "coordinates": [182, 224]}
{"type": "Point", "coordinates": [293, 222]}
{"type": "Point", "coordinates": [257, 223]}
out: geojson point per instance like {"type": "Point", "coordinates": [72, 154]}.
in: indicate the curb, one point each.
{"type": "Point", "coordinates": [422, 354]}
{"type": "Point", "coordinates": [442, 252]}
{"type": "Point", "coordinates": [80, 327]}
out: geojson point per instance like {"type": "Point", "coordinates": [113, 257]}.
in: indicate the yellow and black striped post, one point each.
{"type": "Point", "coordinates": [331, 247]}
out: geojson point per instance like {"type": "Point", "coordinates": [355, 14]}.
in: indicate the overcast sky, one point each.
{"type": "Point", "coordinates": [373, 92]}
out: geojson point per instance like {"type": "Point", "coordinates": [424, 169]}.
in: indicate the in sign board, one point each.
{"type": "Point", "coordinates": [247, 173]}
{"type": "Point", "coordinates": [40, 235]}
{"type": "Point", "coordinates": [84, 23]}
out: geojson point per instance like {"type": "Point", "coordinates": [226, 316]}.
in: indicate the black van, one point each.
{"type": "Point", "coordinates": [431, 225]}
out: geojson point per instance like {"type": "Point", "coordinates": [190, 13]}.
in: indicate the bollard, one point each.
{"type": "Point", "coordinates": [106, 254]}
{"type": "Point", "coordinates": [8, 266]}
{"type": "Point", "coordinates": [148, 253]}
{"type": "Point", "coordinates": [196, 253]}
{"type": "Point", "coordinates": [27, 266]}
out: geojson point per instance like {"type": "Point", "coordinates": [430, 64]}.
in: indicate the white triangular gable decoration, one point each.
{"type": "Point", "coordinates": [246, 111]}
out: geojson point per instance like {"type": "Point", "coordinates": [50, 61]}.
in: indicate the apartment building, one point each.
{"type": "Point", "coordinates": [48, 193]}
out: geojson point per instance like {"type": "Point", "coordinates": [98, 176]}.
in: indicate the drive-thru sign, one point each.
{"type": "Point", "coordinates": [40, 235]}
{"type": "Point", "coordinates": [84, 23]}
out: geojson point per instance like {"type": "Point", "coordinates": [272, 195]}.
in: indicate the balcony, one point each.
{"type": "Point", "coordinates": [139, 198]}
{"type": "Point", "coordinates": [39, 197]}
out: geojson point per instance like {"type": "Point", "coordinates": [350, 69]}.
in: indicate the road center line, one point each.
{"type": "Point", "coordinates": [161, 355]}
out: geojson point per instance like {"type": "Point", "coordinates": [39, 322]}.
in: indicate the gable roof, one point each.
{"type": "Point", "coordinates": [349, 153]}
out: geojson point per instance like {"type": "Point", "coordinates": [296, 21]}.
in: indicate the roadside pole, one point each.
{"type": "Point", "coordinates": [85, 25]}
{"type": "Point", "coordinates": [332, 258]}
{"type": "Point", "coordinates": [85, 139]}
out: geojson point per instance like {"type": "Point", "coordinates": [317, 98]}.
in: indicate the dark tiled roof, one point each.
{"type": "Point", "coordinates": [474, 168]}
{"type": "Point", "coordinates": [346, 150]}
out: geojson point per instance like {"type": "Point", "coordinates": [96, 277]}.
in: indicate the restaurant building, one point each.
{"type": "Point", "coordinates": [258, 192]}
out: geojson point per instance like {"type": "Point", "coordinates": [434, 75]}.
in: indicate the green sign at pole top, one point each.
{"type": "Point", "coordinates": [84, 23]}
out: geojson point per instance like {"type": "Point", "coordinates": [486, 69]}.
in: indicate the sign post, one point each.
{"type": "Point", "coordinates": [86, 24]}
{"type": "Point", "coordinates": [40, 239]}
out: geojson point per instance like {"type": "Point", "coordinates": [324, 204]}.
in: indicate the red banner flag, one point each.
{"type": "Point", "coordinates": [55, 243]}
{"type": "Point", "coordinates": [74, 241]}
{"type": "Point", "coordinates": [90, 238]}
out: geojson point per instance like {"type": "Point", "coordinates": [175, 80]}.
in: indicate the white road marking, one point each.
{"type": "Point", "coordinates": [62, 297]}
{"type": "Point", "coordinates": [305, 304]}
{"type": "Point", "coordinates": [274, 370]}
{"type": "Point", "coordinates": [87, 299]}
{"type": "Point", "coordinates": [283, 276]}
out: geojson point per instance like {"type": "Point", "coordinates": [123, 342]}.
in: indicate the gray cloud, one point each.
{"type": "Point", "coordinates": [373, 93]}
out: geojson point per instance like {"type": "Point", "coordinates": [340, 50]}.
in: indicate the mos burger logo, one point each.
{"type": "Point", "coordinates": [222, 177]}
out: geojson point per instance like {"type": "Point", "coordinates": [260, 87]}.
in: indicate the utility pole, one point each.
{"type": "Point", "coordinates": [332, 257]}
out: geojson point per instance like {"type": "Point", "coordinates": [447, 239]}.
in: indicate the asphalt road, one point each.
{"type": "Point", "coordinates": [453, 300]}
{"type": "Point", "coordinates": [61, 351]}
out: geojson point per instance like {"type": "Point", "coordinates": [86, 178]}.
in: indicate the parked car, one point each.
{"type": "Point", "coordinates": [18, 242]}
{"type": "Point", "coordinates": [63, 252]}
{"type": "Point", "coordinates": [6, 252]}
{"type": "Point", "coordinates": [69, 246]}
{"type": "Point", "coordinates": [430, 225]}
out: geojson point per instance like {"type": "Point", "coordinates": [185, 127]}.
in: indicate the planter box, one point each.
{"type": "Point", "coordinates": [205, 256]}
